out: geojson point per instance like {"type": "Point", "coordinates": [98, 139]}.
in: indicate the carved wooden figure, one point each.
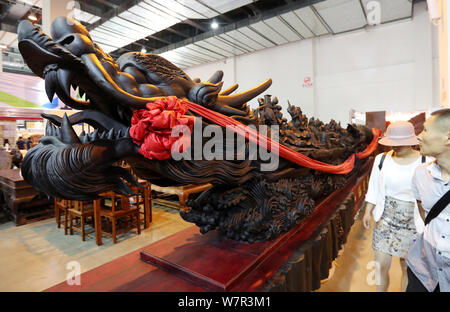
{"type": "Point", "coordinates": [245, 203]}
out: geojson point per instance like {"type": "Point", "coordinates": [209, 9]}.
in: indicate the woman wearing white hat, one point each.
{"type": "Point", "coordinates": [391, 202]}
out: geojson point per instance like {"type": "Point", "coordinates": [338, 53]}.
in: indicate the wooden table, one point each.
{"type": "Point", "coordinates": [19, 195]}
{"type": "Point", "coordinates": [182, 191]}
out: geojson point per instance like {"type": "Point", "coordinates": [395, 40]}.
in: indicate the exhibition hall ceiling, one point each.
{"type": "Point", "coordinates": [180, 30]}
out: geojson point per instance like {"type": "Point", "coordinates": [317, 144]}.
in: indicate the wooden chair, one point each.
{"type": "Point", "coordinates": [81, 211]}
{"type": "Point", "coordinates": [143, 201]}
{"type": "Point", "coordinates": [62, 205]}
{"type": "Point", "coordinates": [120, 209]}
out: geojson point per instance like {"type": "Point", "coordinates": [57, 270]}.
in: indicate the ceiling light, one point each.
{"type": "Point", "coordinates": [214, 25]}
{"type": "Point", "coordinates": [32, 17]}
{"type": "Point", "coordinates": [144, 50]}
{"type": "Point", "coordinates": [3, 46]}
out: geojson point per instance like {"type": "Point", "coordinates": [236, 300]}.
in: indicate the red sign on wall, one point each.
{"type": "Point", "coordinates": [307, 82]}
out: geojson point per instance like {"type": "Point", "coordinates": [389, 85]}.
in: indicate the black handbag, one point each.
{"type": "Point", "coordinates": [438, 207]}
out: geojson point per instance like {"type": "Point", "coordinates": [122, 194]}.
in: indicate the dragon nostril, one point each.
{"type": "Point", "coordinates": [68, 40]}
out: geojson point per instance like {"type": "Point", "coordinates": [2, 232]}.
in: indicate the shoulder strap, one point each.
{"type": "Point", "coordinates": [382, 160]}
{"type": "Point", "coordinates": [438, 207]}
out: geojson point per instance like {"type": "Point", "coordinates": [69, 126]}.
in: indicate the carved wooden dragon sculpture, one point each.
{"type": "Point", "coordinates": [245, 203]}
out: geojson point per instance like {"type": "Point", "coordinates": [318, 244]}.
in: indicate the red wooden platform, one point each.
{"type": "Point", "coordinates": [127, 273]}
{"type": "Point", "coordinates": [190, 261]}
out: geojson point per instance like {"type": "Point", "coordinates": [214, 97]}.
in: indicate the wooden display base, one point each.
{"type": "Point", "coordinates": [190, 261]}
{"type": "Point", "coordinates": [210, 261]}
{"type": "Point", "coordinates": [215, 263]}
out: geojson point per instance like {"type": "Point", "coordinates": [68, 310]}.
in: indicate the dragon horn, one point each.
{"type": "Point", "coordinates": [68, 135]}
{"type": "Point", "coordinates": [237, 100]}
{"type": "Point", "coordinates": [217, 77]}
{"type": "Point", "coordinates": [229, 90]}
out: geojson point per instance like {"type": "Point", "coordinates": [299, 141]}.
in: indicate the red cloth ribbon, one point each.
{"type": "Point", "coordinates": [159, 144]}
{"type": "Point", "coordinates": [151, 128]}
{"type": "Point", "coordinates": [372, 146]}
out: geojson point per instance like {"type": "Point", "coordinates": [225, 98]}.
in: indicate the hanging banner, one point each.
{"type": "Point", "coordinates": [23, 91]}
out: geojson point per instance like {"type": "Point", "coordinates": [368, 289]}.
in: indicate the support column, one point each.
{"type": "Point", "coordinates": [314, 78]}
{"type": "Point", "coordinates": [444, 53]}
{"type": "Point", "coordinates": [423, 58]}
{"type": "Point", "coordinates": [51, 9]}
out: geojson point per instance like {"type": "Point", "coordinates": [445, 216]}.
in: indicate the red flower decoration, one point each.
{"type": "Point", "coordinates": [151, 128]}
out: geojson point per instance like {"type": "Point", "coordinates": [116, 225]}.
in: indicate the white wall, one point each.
{"type": "Point", "coordinates": [391, 67]}
{"type": "Point", "coordinates": [287, 65]}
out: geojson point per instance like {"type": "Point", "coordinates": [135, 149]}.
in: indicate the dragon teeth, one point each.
{"type": "Point", "coordinates": [64, 78]}
{"type": "Point", "coordinates": [48, 129]}
{"type": "Point", "coordinates": [85, 139]}
{"type": "Point", "coordinates": [110, 135]}
{"type": "Point", "coordinates": [94, 135]}
{"type": "Point", "coordinates": [57, 132]}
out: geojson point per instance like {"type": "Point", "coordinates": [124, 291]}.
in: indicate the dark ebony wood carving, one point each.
{"type": "Point", "coordinates": [244, 204]}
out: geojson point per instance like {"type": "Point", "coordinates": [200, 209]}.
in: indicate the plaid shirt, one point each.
{"type": "Point", "coordinates": [429, 257]}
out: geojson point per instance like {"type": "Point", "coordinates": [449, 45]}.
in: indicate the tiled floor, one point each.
{"type": "Point", "coordinates": [34, 257]}
{"type": "Point", "coordinates": [353, 270]}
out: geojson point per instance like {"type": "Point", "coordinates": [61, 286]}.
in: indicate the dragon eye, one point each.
{"type": "Point", "coordinates": [67, 40]}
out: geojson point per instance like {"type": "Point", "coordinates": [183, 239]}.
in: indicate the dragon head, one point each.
{"type": "Point", "coordinates": [71, 57]}
{"type": "Point", "coordinates": [112, 91]}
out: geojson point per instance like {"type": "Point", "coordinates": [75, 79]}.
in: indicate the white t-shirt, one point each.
{"type": "Point", "coordinates": [398, 179]}
{"type": "Point", "coordinates": [392, 180]}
